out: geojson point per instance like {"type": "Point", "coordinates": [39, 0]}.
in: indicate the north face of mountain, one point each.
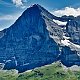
{"type": "Point", "coordinates": [27, 44]}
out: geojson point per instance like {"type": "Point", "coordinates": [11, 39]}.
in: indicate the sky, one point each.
{"type": "Point", "coordinates": [10, 10]}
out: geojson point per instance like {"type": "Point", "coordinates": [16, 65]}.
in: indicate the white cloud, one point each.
{"type": "Point", "coordinates": [67, 11]}
{"type": "Point", "coordinates": [17, 2]}
{"type": "Point", "coordinates": [59, 22]}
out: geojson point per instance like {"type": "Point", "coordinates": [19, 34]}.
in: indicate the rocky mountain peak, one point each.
{"type": "Point", "coordinates": [28, 40]}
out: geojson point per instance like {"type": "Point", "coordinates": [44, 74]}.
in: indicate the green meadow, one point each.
{"type": "Point", "coordinates": [53, 71]}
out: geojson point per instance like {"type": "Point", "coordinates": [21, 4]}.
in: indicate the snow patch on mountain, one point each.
{"type": "Point", "coordinates": [74, 47]}
{"type": "Point", "coordinates": [60, 22]}
{"type": "Point", "coordinates": [8, 61]}
{"type": "Point", "coordinates": [68, 42]}
{"type": "Point", "coordinates": [65, 42]}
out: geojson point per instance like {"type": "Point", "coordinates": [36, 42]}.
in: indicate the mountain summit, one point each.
{"type": "Point", "coordinates": [34, 40]}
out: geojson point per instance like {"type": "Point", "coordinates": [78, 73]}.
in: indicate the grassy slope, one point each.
{"type": "Point", "coordinates": [51, 72]}
{"type": "Point", "coordinates": [8, 74]}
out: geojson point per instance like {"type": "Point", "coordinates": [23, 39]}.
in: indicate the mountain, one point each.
{"type": "Point", "coordinates": [38, 38]}
{"type": "Point", "coordinates": [26, 44]}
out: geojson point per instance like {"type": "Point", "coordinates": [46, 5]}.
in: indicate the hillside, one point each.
{"type": "Point", "coordinates": [53, 71]}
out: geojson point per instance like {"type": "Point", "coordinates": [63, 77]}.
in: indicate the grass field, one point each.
{"type": "Point", "coordinates": [49, 72]}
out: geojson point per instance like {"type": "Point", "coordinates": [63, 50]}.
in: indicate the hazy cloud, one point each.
{"type": "Point", "coordinates": [7, 17]}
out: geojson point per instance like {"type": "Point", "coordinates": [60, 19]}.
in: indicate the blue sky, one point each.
{"type": "Point", "coordinates": [10, 10]}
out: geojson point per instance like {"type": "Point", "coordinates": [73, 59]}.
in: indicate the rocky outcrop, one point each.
{"type": "Point", "coordinates": [73, 30]}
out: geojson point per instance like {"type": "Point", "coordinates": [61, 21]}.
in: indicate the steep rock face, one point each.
{"type": "Point", "coordinates": [73, 30]}
{"type": "Point", "coordinates": [70, 52]}
{"type": "Point", "coordinates": [27, 44]}
{"type": "Point", "coordinates": [69, 57]}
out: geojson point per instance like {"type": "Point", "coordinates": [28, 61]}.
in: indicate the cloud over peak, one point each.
{"type": "Point", "coordinates": [19, 3]}
{"type": "Point", "coordinates": [67, 11]}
